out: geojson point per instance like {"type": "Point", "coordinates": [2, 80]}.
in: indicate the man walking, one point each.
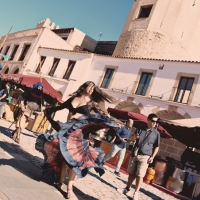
{"type": "Point", "coordinates": [144, 151]}
{"type": "Point", "coordinates": [122, 135]}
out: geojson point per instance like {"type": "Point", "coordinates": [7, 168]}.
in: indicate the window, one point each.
{"type": "Point", "coordinates": [145, 11]}
{"type": "Point", "coordinates": [69, 70]}
{"type": "Point", "coordinates": [14, 52]}
{"type": "Point", "coordinates": [43, 58]}
{"type": "Point", "coordinates": [54, 66]}
{"type": "Point", "coordinates": [144, 84]}
{"type": "Point", "coordinates": [24, 52]}
{"type": "Point", "coordinates": [6, 51]}
{"type": "Point", "coordinates": [184, 90]}
{"type": "Point", "coordinates": [107, 78]}
{"type": "Point", "coordinates": [16, 71]}
{"type": "Point", "coordinates": [64, 38]}
{"type": "Point", "coordinates": [6, 71]}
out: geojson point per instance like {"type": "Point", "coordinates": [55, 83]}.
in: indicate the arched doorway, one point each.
{"type": "Point", "coordinates": [6, 71]}
{"type": "Point", "coordinates": [169, 115]}
{"type": "Point", "coordinates": [16, 71]}
{"type": "Point", "coordinates": [128, 106]}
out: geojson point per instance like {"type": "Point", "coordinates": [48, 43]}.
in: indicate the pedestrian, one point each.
{"type": "Point", "coordinates": [119, 145]}
{"type": "Point", "coordinates": [144, 151]}
{"type": "Point", "coordinates": [30, 101]}
{"type": "Point", "coordinates": [4, 98]}
{"type": "Point", "coordinates": [69, 149]}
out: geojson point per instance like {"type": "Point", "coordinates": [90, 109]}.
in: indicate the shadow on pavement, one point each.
{"type": "Point", "coordinates": [22, 161]}
{"type": "Point", "coordinates": [28, 164]}
{"type": "Point", "coordinates": [83, 195]}
{"type": "Point", "coordinates": [8, 131]}
{"type": "Point", "coordinates": [101, 179]}
{"type": "Point", "coordinates": [142, 190]}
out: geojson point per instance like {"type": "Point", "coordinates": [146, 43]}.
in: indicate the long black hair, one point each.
{"type": "Point", "coordinates": [98, 95]}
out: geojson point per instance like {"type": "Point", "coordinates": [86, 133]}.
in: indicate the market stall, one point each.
{"type": "Point", "coordinates": [37, 123]}
{"type": "Point", "coordinates": [182, 179]}
{"type": "Point", "coordinates": [139, 120]}
{"type": "Point", "coordinates": [185, 179]}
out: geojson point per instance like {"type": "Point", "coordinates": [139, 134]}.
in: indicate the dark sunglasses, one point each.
{"type": "Point", "coordinates": [154, 121]}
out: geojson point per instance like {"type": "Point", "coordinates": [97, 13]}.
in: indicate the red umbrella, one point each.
{"type": "Point", "coordinates": [139, 119]}
{"type": "Point", "coordinates": [28, 81]}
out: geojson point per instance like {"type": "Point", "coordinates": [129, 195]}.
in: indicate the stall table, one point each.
{"type": "Point", "coordinates": [38, 124]}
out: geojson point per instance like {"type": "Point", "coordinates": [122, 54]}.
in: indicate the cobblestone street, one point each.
{"type": "Point", "coordinates": [90, 187]}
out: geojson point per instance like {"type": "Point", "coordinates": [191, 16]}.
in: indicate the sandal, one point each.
{"type": "Point", "coordinates": [70, 194]}
{"type": "Point", "coordinates": [58, 186]}
{"type": "Point", "coordinates": [17, 140]}
{"type": "Point", "coordinates": [13, 135]}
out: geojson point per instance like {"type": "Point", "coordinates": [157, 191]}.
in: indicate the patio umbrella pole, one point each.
{"type": "Point", "coordinates": [5, 38]}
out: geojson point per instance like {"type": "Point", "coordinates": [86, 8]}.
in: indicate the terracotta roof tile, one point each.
{"type": "Point", "coordinates": [138, 58]}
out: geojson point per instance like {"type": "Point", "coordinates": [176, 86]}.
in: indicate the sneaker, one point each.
{"type": "Point", "coordinates": [102, 163]}
{"type": "Point", "coordinates": [117, 173]}
{"type": "Point", "coordinates": [122, 190]}
{"type": "Point", "coordinates": [135, 196]}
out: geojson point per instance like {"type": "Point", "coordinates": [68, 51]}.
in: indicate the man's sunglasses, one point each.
{"type": "Point", "coordinates": [154, 121]}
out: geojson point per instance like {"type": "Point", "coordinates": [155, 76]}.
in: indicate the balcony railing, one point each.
{"type": "Point", "coordinates": [142, 89]}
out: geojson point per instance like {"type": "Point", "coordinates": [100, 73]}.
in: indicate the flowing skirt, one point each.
{"type": "Point", "coordinates": [70, 145]}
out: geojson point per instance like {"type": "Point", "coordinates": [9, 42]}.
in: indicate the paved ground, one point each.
{"type": "Point", "coordinates": [20, 175]}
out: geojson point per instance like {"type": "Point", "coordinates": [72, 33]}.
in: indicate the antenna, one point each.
{"type": "Point", "coordinates": [100, 35]}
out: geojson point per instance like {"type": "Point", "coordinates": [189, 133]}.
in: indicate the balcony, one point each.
{"type": "Point", "coordinates": [46, 76]}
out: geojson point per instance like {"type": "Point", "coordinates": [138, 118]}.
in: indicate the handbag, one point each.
{"type": "Point", "coordinates": [135, 152]}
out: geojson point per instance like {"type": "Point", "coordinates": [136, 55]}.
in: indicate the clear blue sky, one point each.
{"type": "Point", "coordinates": [89, 16]}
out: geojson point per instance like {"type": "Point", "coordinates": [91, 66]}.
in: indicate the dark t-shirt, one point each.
{"type": "Point", "coordinates": [6, 93]}
{"type": "Point", "coordinates": [28, 97]}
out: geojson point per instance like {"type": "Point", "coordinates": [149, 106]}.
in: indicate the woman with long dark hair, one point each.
{"type": "Point", "coordinates": [92, 101]}
{"type": "Point", "coordinates": [69, 147]}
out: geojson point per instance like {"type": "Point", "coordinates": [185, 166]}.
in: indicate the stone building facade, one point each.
{"type": "Point", "coordinates": [160, 29]}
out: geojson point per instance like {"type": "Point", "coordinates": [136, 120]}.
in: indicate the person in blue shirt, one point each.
{"type": "Point", "coordinates": [119, 145]}
{"type": "Point", "coordinates": [145, 149]}
{"type": "Point", "coordinates": [3, 98]}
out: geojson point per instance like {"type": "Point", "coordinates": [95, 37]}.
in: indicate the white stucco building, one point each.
{"type": "Point", "coordinates": [161, 29]}
{"type": "Point", "coordinates": [22, 46]}
{"type": "Point", "coordinates": [165, 87]}
{"type": "Point", "coordinates": [155, 66]}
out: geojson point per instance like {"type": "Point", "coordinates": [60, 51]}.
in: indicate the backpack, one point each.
{"type": "Point", "coordinates": [9, 99]}
{"type": "Point", "coordinates": [1, 92]}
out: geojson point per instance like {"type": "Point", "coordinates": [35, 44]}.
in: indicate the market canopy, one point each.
{"type": "Point", "coordinates": [139, 119]}
{"type": "Point", "coordinates": [186, 131]}
{"type": "Point", "coordinates": [28, 81]}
